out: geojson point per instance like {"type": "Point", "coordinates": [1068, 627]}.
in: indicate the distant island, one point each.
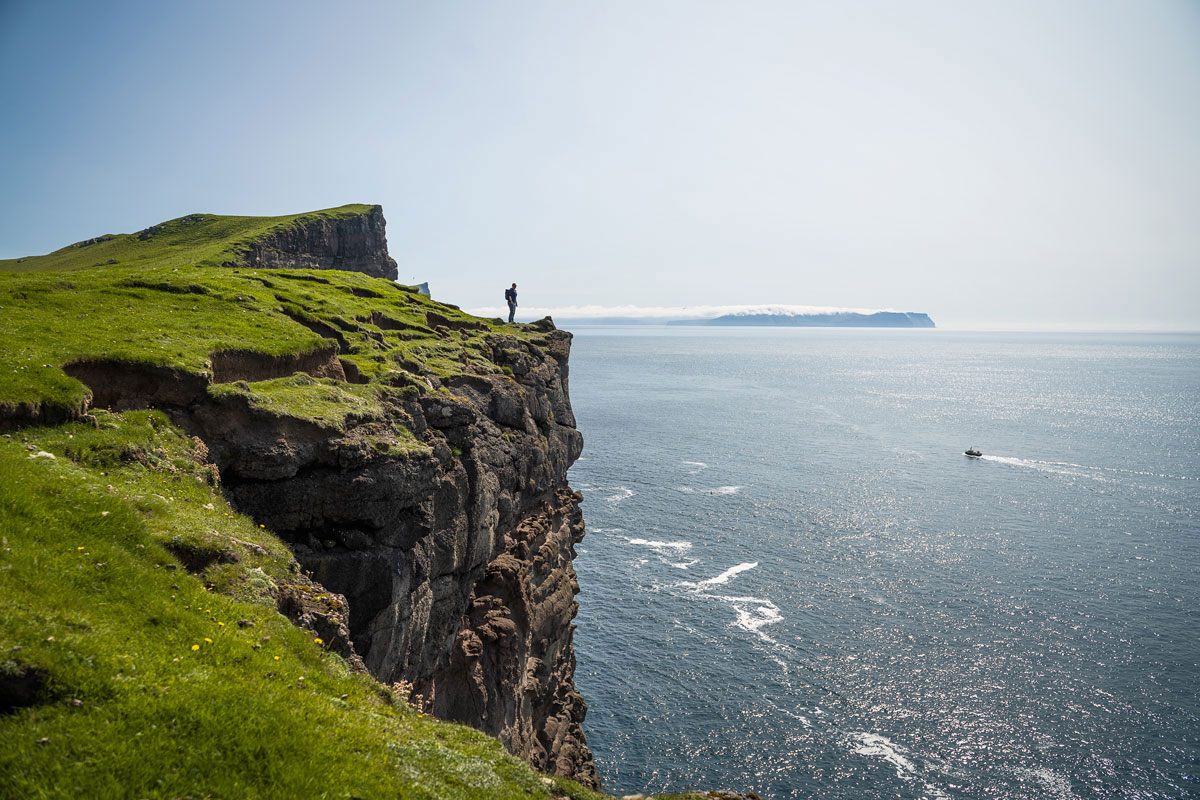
{"type": "Point", "coordinates": [748, 315]}
{"type": "Point", "coordinates": [840, 319]}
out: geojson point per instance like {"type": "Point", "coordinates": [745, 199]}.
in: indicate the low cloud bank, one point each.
{"type": "Point", "coordinates": [665, 313]}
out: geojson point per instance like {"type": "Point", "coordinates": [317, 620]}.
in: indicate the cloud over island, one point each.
{"type": "Point", "coordinates": [664, 313]}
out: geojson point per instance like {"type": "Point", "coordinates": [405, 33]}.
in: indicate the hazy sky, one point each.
{"type": "Point", "coordinates": [1008, 163]}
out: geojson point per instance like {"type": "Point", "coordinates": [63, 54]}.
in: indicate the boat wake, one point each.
{"type": "Point", "coordinates": [1103, 474]}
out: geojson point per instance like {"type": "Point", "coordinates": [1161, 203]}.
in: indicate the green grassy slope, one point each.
{"type": "Point", "coordinates": [141, 654]}
{"type": "Point", "coordinates": [159, 683]}
{"type": "Point", "coordinates": [178, 317]}
{"type": "Point", "coordinates": [196, 239]}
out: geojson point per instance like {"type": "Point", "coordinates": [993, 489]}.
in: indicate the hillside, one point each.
{"type": "Point", "coordinates": [349, 237]}
{"type": "Point", "coordinates": [262, 528]}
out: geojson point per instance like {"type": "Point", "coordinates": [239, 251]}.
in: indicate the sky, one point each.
{"type": "Point", "coordinates": [1008, 164]}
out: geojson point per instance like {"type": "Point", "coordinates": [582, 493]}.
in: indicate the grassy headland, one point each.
{"type": "Point", "coordinates": [141, 652]}
{"type": "Point", "coordinates": [193, 240]}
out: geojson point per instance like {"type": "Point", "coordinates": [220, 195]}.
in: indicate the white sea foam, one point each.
{"type": "Point", "coordinates": [608, 530]}
{"type": "Point", "coordinates": [876, 746]}
{"type": "Point", "coordinates": [619, 493]}
{"type": "Point", "coordinates": [1069, 468]}
{"type": "Point", "coordinates": [754, 613]}
{"type": "Point", "coordinates": [685, 489]}
{"type": "Point", "coordinates": [697, 464]}
{"type": "Point", "coordinates": [669, 553]}
{"type": "Point", "coordinates": [1058, 468]}
{"type": "Point", "coordinates": [729, 573]}
{"type": "Point", "coordinates": [1056, 785]}
{"type": "Point", "coordinates": [656, 545]}
{"type": "Point", "coordinates": [725, 490]}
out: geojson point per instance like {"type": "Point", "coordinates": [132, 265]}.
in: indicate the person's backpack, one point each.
{"type": "Point", "coordinates": [508, 295]}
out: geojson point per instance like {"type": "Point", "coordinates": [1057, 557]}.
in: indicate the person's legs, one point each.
{"type": "Point", "coordinates": [512, 311]}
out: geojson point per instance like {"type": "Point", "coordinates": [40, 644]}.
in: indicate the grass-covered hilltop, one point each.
{"type": "Point", "coordinates": [161, 633]}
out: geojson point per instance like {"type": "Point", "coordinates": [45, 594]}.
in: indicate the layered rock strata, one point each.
{"type": "Point", "coordinates": [445, 522]}
{"type": "Point", "coordinates": [356, 244]}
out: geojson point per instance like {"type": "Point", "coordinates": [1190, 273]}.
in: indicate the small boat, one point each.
{"type": "Point", "coordinates": [973, 452]}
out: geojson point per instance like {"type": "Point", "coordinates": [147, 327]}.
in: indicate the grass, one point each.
{"type": "Point", "coordinates": [178, 317]}
{"type": "Point", "coordinates": [150, 687]}
{"type": "Point", "coordinates": [195, 239]}
{"type": "Point", "coordinates": [141, 653]}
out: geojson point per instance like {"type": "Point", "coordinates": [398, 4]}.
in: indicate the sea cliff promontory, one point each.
{"type": "Point", "coordinates": [266, 512]}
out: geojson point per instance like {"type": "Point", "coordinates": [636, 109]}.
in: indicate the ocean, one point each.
{"type": "Point", "coordinates": [795, 583]}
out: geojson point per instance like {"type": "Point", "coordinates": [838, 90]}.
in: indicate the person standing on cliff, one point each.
{"type": "Point", "coordinates": [510, 297]}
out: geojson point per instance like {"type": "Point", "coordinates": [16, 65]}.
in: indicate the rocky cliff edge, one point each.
{"type": "Point", "coordinates": [414, 457]}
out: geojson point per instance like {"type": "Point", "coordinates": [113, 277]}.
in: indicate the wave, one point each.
{"type": "Point", "coordinates": [661, 545]}
{"type": "Point", "coordinates": [725, 490]}
{"type": "Point", "coordinates": [753, 613]}
{"type": "Point", "coordinates": [620, 492]}
{"type": "Point", "coordinates": [667, 552]}
{"type": "Point", "coordinates": [874, 745]}
{"type": "Point", "coordinates": [727, 574]}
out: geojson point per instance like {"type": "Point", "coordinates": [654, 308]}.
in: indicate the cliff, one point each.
{"type": "Point", "coordinates": [453, 552]}
{"type": "Point", "coordinates": [412, 457]}
{"type": "Point", "coordinates": [355, 244]}
{"type": "Point", "coordinates": [348, 237]}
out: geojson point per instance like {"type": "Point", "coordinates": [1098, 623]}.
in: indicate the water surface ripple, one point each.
{"type": "Point", "coordinates": [795, 583]}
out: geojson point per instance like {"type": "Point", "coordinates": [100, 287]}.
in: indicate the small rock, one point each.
{"type": "Point", "coordinates": [345, 697]}
{"type": "Point", "coordinates": [43, 454]}
{"type": "Point", "coordinates": [209, 506]}
{"type": "Point", "coordinates": [77, 703]}
{"type": "Point", "coordinates": [245, 623]}
{"type": "Point", "coordinates": [44, 740]}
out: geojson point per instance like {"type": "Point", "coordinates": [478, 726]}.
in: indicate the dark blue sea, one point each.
{"type": "Point", "coordinates": [795, 583]}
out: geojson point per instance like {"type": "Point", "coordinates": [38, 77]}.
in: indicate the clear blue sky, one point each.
{"type": "Point", "coordinates": [1005, 163]}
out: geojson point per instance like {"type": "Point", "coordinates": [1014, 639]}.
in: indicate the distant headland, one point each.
{"type": "Point", "coordinates": [838, 319]}
{"type": "Point", "coordinates": [763, 315]}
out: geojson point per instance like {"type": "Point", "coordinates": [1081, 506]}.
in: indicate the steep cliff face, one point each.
{"type": "Point", "coordinates": [354, 244]}
{"type": "Point", "coordinates": [414, 457]}
{"type": "Point", "coordinates": [455, 557]}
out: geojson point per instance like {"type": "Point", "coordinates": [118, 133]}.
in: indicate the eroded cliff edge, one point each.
{"type": "Point", "coordinates": [455, 557]}
{"type": "Point", "coordinates": [414, 457]}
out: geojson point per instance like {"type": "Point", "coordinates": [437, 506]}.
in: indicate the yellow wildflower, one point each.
{"type": "Point", "coordinates": [208, 640]}
{"type": "Point", "coordinates": [276, 658]}
{"type": "Point", "coordinates": [319, 640]}
{"type": "Point", "coordinates": [195, 647]}
{"type": "Point", "coordinates": [222, 624]}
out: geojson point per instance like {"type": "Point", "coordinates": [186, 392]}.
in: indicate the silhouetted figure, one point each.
{"type": "Point", "coordinates": [510, 297]}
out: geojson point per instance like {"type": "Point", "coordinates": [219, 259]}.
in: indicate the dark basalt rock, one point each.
{"type": "Point", "coordinates": [447, 565]}
{"type": "Point", "coordinates": [455, 563]}
{"type": "Point", "coordinates": [357, 244]}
